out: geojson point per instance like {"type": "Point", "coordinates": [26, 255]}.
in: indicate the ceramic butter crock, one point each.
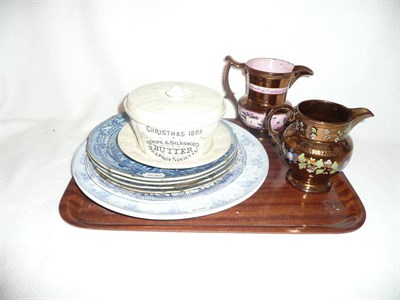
{"type": "Point", "coordinates": [174, 121]}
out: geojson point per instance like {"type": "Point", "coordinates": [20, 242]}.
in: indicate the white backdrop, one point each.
{"type": "Point", "coordinates": [66, 66]}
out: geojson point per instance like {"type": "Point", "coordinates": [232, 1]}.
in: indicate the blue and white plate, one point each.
{"type": "Point", "coordinates": [175, 190]}
{"type": "Point", "coordinates": [229, 171]}
{"type": "Point", "coordinates": [213, 172]}
{"type": "Point", "coordinates": [163, 207]}
{"type": "Point", "coordinates": [103, 150]}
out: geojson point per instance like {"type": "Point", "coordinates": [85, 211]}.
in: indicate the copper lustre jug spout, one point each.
{"type": "Point", "coordinates": [360, 114]}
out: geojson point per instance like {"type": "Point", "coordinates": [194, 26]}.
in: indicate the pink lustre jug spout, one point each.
{"type": "Point", "coordinates": [299, 71]}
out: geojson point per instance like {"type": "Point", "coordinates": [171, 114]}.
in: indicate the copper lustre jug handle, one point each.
{"type": "Point", "coordinates": [275, 134]}
{"type": "Point", "coordinates": [225, 79]}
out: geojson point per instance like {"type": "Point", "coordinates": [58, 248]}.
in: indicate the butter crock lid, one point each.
{"type": "Point", "coordinates": [175, 104]}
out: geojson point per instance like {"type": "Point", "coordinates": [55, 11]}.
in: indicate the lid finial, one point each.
{"type": "Point", "coordinates": [176, 91]}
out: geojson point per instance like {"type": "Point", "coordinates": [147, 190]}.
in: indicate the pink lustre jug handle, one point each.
{"type": "Point", "coordinates": [275, 134]}
{"type": "Point", "coordinates": [225, 79]}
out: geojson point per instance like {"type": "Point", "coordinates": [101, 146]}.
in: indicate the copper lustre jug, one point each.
{"type": "Point", "coordinates": [267, 83]}
{"type": "Point", "coordinates": [316, 145]}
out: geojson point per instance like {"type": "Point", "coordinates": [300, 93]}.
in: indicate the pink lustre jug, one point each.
{"type": "Point", "coordinates": [268, 81]}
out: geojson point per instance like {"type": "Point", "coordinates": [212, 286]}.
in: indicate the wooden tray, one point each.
{"type": "Point", "coordinates": [276, 207]}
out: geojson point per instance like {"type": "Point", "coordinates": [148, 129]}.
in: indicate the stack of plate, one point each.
{"type": "Point", "coordinates": [115, 156]}
{"type": "Point", "coordinates": [111, 170]}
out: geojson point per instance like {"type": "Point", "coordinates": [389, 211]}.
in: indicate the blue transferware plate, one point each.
{"type": "Point", "coordinates": [183, 180]}
{"type": "Point", "coordinates": [176, 189]}
{"type": "Point", "coordinates": [161, 207]}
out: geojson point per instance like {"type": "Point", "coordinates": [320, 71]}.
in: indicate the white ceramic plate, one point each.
{"type": "Point", "coordinates": [147, 207]}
